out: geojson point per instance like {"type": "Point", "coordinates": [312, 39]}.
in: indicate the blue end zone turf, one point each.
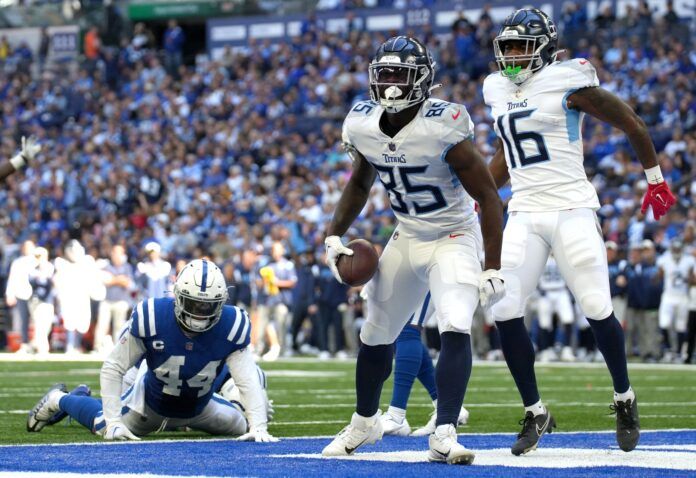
{"type": "Point", "coordinates": [660, 454]}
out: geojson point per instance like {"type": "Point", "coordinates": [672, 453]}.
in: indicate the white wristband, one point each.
{"type": "Point", "coordinates": [18, 162]}
{"type": "Point", "coordinates": [654, 175]}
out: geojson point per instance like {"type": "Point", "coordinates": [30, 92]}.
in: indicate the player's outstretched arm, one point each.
{"type": "Point", "coordinates": [609, 108]}
{"type": "Point", "coordinates": [127, 352]}
{"type": "Point", "coordinates": [471, 170]}
{"type": "Point", "coordinates": [349, 206]}
{"type": "Point", "coordinates": [30, 148]}
{"type": "Point", "coordinates": [243, 371]}
{"type": "Point", "coordinates": [498, 166]}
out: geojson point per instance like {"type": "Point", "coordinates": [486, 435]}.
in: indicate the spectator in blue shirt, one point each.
{"type": "Point", "coordinates": [173, 46]}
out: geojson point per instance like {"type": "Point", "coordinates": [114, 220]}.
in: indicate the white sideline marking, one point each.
{"type": "Point", "coordinates": [542, 458]}
{"type": "Point", "coordinates": [317, 437]}
{"type": "Point", "coordinates": [303, 373]}
{"type": "Point", "coordinates": [669, 447]}
{"type": "Point", "coordinates": [43, 474]}
{"type": "Point", "coordinates": [551, 403]}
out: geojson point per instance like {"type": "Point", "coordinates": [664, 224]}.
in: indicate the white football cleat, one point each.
{"type": "Point", "coordinates": [444, 447]}
{"type": "Point", "coordinates": [567, 354]}
{"type": "Point", "coordinates": [360, 431]}
{"type": "Point", "coordinates": [429, 427]}
{"type": "Point", "coordinates": [391, 426]}
{"type": "Point", "coordinates": [45, 408]}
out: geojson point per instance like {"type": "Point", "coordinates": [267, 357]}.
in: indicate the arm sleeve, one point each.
{"type": "Point", "coordinates": [126, 353]}
{"type": "Point", "coordinates": [243, 370]}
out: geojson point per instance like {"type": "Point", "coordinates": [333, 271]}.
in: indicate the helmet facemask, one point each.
{"type": "Point", "coordinates": [397, 86]}
{"type": "Point", "coordinates": [196, 314]}
{"type": "Point", "coordinates": [519, 68]}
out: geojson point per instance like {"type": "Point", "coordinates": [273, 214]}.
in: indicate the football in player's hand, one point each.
{"type": "Point", "coordinates": [359, 268]}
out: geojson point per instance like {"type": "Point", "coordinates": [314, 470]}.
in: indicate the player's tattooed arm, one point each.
{"type": "Point", "coordinates": [471, 170]}
{"type": "Point", "coordinates": [607, 107]}
{"type": "Point", "coordinates": [498, 166]}
{"type": "Point", "coordinates": [354, 196]}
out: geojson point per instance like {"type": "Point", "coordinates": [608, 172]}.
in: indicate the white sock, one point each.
{"type": "Point", "coordinates": [537, 409]}
{"type": "Point", "coordinates": [54, 400]}
{"type": "Point", "coordinates": [398, 414]}
{"type": "Point", "coordinates": [627, 395]}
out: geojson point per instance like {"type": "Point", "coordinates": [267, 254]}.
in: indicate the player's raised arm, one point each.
{"type": "Point", "coordinates": [30, 148]}
{"type": "Point", "coordinates": [498, 168]}
{"type": "Point", "coordinates": [350, 204]}
{"type": "Point", "coordinates": [128, 351]}
{"type": "Point", "coordinates": [607, 107]}
{"type": "Point", "coordinates": [471, 170]}
{"type": "Point", "coordinates": [244, 373]}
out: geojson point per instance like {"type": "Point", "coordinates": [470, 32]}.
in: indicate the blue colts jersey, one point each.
{"type": "Point", "coordinates": [182, 369]}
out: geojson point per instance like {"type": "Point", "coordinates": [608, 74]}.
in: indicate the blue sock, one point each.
{"type": "Point", "coordinates": [426, 374]}
{"type": "Point", "coordinates": [408, 362]}
{"type": "Point", "coordinates": [452, 375]}
{"type": "Point", "coordinates": [371, 371]}
{"type": "Point", "coordinates": [519, 355]}
{"type": "Point", "coordinates": [610, 341]}
{"type": "Point", "coordinates": [81, 408]}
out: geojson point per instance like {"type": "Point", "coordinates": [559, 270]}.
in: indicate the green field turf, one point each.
{"type": "Point", "coordinates": [316, 398]}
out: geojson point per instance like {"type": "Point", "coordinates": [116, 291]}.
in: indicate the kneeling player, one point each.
{"type": "Point", "coordinates": [185, 342]}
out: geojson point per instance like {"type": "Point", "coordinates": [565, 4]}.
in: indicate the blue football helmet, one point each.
{"type": "Point", "coordinates": [535, 29]}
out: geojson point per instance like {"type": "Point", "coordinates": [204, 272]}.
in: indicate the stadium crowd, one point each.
{"type": "Point", "coordinates": [148, 162]}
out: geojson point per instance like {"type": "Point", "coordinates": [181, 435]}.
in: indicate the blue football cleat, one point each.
{"type": "Point", "coordinates": [81, 390]}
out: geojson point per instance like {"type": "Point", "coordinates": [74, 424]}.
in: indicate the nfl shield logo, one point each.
{"type": "Point", "coordinates": [189, 346]}
{"type": "Point", "coordinates": [392, 147]}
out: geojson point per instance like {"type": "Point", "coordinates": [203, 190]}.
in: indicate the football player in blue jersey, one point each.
{"type": "Point", "coordinates": [185, 342]}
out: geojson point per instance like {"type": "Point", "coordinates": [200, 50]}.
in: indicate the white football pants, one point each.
{"type": "Point", "coordinates": [446, 264]}
{"type": "Point", "coordinates": [576, 241]}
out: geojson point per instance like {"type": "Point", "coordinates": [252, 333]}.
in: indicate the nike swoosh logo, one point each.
{"type": "Point", "coordinates": [452, 236]}
{"type": "Point", "coordinates": [540, 431]}
{"type": "Point", "coordinates": [443, 455]}
{"type": "Point", "coordinates": [351, 450]}
{"type": "Point", "coordinates": [454, 117]}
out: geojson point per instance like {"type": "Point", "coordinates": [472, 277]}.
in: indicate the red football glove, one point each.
{"type": "Point", "coordinates": [660, 197]}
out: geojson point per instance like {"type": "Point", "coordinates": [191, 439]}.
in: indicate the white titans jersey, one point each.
{"type": "Point", "coordinates": [425, 194]}
{"type": "Point", "coordinates": [542, 138]}
{"type": "Point", "coordinates": [551, 279]}
{"type": "Point", "coordinates": [676, 273]}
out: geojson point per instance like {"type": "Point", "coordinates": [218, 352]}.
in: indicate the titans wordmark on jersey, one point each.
{"type": "Point", "coordinates": [426, 196]}
{"type": "Point", "coordinates": [181, 369]}
{"type": "Point", "coordinates": [542, 137]}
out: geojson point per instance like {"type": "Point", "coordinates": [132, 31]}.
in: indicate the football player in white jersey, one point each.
{"type": "Point", "coordinates": [675, 269]}
{"type": "Point", "coordinates": [538, 104]}
{"type": "Point", "coordinates": [421, 149]}
{"type": "Point", "coordinates": [554, 299]}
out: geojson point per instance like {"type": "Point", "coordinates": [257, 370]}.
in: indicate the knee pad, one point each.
{"type": "Point", "coordinates": [595, 306]}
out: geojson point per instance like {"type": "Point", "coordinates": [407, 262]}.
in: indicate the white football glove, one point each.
{"type": "Point", "coordinates": [334, 249]}
{"type": "Point", "coordinates": [30, 148]}
{"type": "Point", "coordinates": [259, 434]}
{"type": "Point", "coordinates": [116, 430]}
{"type": "Point", "coordinates": [491, 287]}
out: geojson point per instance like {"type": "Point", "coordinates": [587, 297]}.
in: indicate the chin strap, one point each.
{"type": "Point", "coordinates": [434, 87]}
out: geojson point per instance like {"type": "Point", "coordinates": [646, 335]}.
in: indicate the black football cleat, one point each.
{"type": "Point", "coordinates": [532, 430]}
{"type": "Point", "coordinates": [627, 424]}
{"type": "Point", "coordinates": [42, 412]}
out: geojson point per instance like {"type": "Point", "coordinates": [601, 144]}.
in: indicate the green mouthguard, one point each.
{"type": "Point", "coordinates": [512, 70]}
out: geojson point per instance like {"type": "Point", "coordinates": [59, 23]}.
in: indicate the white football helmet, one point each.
{"type": "Point", "coordinates": [200, 292]}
